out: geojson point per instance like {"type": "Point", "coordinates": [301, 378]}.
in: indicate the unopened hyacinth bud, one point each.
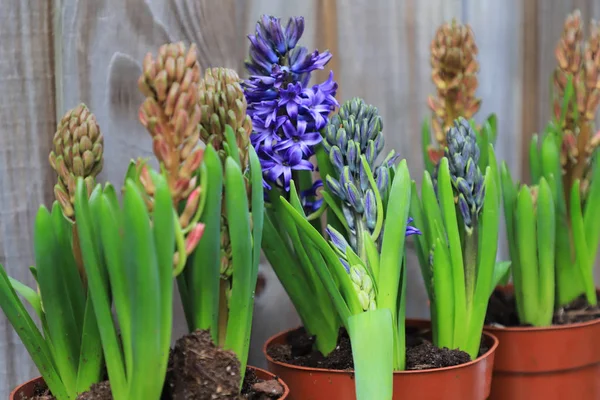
{"type": "Point", "coordinates": [353, 132]}
{"type": "Point", "coordinates": [361, 281]}
{"type": "Point", "coordinates": [462, 153]}
{"type": "Point", "coordinates": [454, 74]}
{"type": "Point", "coordinates": [171, 113]}
{"type": "Point", "coordinates": [222, 102]}
{"type": "Point", "coordinates": [578, 61]}
{"type": "Point", "coordinates": [77, 152]}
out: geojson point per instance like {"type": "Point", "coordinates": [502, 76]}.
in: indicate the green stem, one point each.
{"type": "Point", "coordinates": [470, 260]}
{"type": "Point", "coordinates": [223, 311]}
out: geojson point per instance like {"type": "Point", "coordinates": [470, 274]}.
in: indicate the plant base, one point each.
{"type": "Point", "coordinates": [469, 381]}
{"type": "Point", "coordinates": [552, 363]}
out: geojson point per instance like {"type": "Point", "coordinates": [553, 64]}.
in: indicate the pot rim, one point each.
{"type": "Point", "coordinates": [286, 389]}
{"type": "Point", "coordinates": [484, 356]}
{"type": "Point", "coordinates": [13, 393]}
{"type": "Point", "coordinates": [537, 329]}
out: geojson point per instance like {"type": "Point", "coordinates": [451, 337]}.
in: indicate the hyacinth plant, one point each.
{"type": "Point", "coordinates": [566, 157]}
{"type": "Point", "coordinates": [457, 251]}
{"type": "Point", "coordinates": [126, 264]}
{"type": "Point", "coordinates": [454, 74]}
{"type": "Point", "coordinates": [68, 350]}
{"type": "Point", "coordinates": [181, 110]}
{"type": "Point", "coordinates": [361, 264]}
{"type": "Point", "coordinates": [287, 117]}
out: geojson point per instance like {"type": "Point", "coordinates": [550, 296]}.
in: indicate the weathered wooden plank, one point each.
{"type": "Point", "coordinates": [273, 311]}
{"type": "Point", "coordinates": [26, 180]}
{"type": "Point", "coordinates": [384, 58]}
{"type": "Point", "coordinates": [103, 45]}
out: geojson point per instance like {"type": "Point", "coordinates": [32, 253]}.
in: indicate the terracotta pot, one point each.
{"type": "Point", "coordinates": [551, 363]}
{"type": "Point", "coordinates": [27, 389]}
{"type": "Point", "coordinates": [470, 381]}
{"type": "Point", "coordinates": [266, 375]}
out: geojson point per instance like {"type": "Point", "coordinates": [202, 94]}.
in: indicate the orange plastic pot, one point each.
{"type": "Point", "coordinates": [27, 389]}
{"type": "Point", "coordinates": [471, 381]}
{"type": "Point", "coordinates": [551, 363]}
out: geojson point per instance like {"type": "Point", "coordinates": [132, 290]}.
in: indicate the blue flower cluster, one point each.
{"type": "Point", "coordinates": [286, 114]}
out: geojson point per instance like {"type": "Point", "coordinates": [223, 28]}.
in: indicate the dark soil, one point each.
{"type": "Point", "coordinates": [197, 370]}
{"type": "Point", "coordinates": [41, 392]}
{"type": "Point", "coordinates": [255, 388]}
{"type": "Point", "coordinates": [98, 391]}
{"type": "Point", "coordinates": [420, 352]}
{"type": "Point", "coordinates": [502, 311]}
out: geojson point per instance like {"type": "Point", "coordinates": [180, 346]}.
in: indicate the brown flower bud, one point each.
{"type": "Point", "coordinates": [77, 152]}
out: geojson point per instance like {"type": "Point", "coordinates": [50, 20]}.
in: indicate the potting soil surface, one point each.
{"type": "Point", "coordinates": [197, 370]}
{"type": "Point", "coordinates": [502, 310]}
{"type": "Point", "coordinates": [421, 354]}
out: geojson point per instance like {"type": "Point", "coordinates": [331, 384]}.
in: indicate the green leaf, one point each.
{"type": "Point", "coordinates": [551, 167]}
{"type": "Point", "coordinates": [509, 196]}
{"type": "Point", "coordinates": [331, 202]}
{"type": "Point", "coordinates": [164, 222]}
{"type": "Point", "coordinates": [546, 230]}
{"type": "Point", "coordinates": [591, 214]}
{"type": "Point", "coordinates": [143, 281]}
{"type": "Point", "coordinates": [373, 368]}
{"type": "Point", "coordinates": [28, 294]}
{"type": "Point", "coordinates": [258, 208]}
{"type": "Point", "coordinates": [392, 247]}
{"type": "Point", "coordinates": [241, 300]}
{"type": "Point", "coordinates": [422, 245]}
{"type": "Point", "coordinates": [447, 206]}
{"type": "Point", "coordinates": [483, 143]}
{"type": "Point", "coordinates": [445, 308]}
{"type": "Point", "coordinates": [492, 122]}
{"type": "Point", "coordinates": [98, 290]}
{"type": "Point", "coordinates": [325, 168]}
{"type": "Point", "coordinates": [111, 233]}
{"type": "Point", "coordinates": [500, 270]}
{"type": "Point", "coordinates": [535, 163]}
{"type": "Point", "coordinates": [62, 325]}
{"type": "Point", "coordinates": [91, 362]}
{"type": "Point", "coordinates": [372, 256]}
{"type": "Point", "coordinates": [291, 276]}
{"type": "Point", "coordinates": [431, 211]}
{"type": "Point", "coordinates": [202, 272]}
{"type": "Point", "coordinates": [233, 150]}
{"type": "Point", "coordinates": [345, 298]}
{"type": "Point", "coordinates": [488, 245]}
{"type": "Point", "coordinates": [584, 265]}
{"type": "Point", "coordinates": [528, 284]}
{"type": "Point", "coordinates": [425, 143]}
{"type": "Point", "coordinates": [30, 335]}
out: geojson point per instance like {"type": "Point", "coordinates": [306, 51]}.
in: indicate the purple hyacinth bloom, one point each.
{"type": "Point", "coordinates": [310, 202]}
{"type": "Point", "coordinates": [297, 139]}
{"type": "Point", "coordinates": [286, 114]}
{"type": "Point", "coordinates": [278, 169]}
{"type": "Point", "coordinates": [411, 230]}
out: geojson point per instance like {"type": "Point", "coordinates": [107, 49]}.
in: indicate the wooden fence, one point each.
{"type": "Point", "coordinates": [55, 54]}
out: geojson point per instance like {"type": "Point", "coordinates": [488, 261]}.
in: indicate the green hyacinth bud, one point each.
{"type": "Point", "coordinates": [462, 153]}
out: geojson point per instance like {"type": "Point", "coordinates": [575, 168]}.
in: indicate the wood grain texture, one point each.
{"type": "Point", "coordinates": [381, 53]}
{"type": "Point", "coordinates": [26, 180]}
